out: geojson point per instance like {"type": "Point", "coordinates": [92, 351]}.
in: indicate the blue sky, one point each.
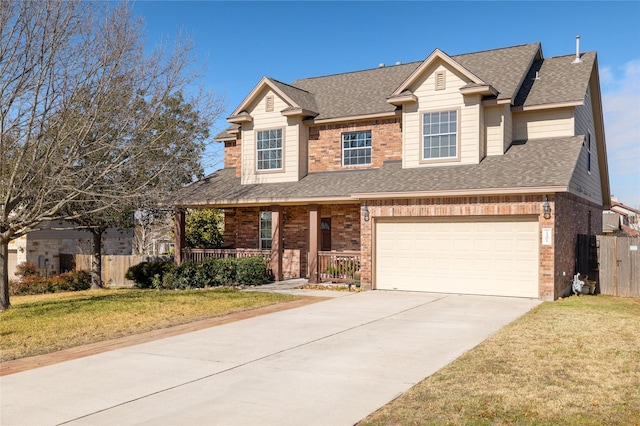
{"type": "Point", "coordinates": [240, 42]}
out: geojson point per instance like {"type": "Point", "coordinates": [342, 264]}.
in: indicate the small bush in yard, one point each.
{"type": "Point", "coordinates": [143, 273]}
{"type": "Point", "coordinates": [26, 269]}
{"type": "Point", "coordinates": [252, 271]}
{"type": "Point", "coordinates": [35, 284]}
{"type": "Point", "coordinates": [181, 277]}
{"type": "Point", "coordinates": [226, 270]}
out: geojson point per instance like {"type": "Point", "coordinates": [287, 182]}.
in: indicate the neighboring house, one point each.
{"type": "Point", "coordinates": [47, 247]}
{"type": "Point", "coordinates": [621, 219]}
{"type": "Point", "coordinates": [433, 175]}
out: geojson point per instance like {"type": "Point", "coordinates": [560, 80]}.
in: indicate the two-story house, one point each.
{"type": "Point", "coordinates": [467, 174]}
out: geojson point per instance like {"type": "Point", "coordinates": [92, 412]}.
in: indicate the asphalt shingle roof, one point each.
{"type": "Point", "coordinates": [560, 80]}
{"type": "Point", "coordinates": [532, 164]}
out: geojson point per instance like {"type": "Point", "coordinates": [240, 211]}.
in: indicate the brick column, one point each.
{"type": "Point", "coordinates": [179, 234]}
{"type": "Point", "coordinates": [276, 242]}
{"type": "Point", "coordinates": [314, 242]}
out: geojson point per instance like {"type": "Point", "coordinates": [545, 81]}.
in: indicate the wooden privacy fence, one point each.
{"type": "Point", "coordinates": [114, 267]}
{"type": "Point", "coordinates": [619, 265]}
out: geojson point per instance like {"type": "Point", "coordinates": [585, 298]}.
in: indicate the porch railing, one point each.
{"type": "Point", "coordinates": [195, 255]}
{"type": "Point", "coordinates": [338, 266]}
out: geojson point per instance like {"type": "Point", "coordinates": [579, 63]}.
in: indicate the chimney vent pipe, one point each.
{"type": "Point", "coordinates": [577, 60]}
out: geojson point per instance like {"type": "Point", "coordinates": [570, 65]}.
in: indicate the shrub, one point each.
{"type": "Point", "coordinates": [212, 272]}
{"type": "Point", "coordinates": [181, 277]}
{"type": "Point", "coordinates": [26, 269]}
{"type": "Point", "coordinates": [226, 271]}
{"type": "Point", "coordinates": [252, 271]}
{"type": "Point", "coordinates": [143, 273]}
{"type": "Point", "coordinates": [35, 284]}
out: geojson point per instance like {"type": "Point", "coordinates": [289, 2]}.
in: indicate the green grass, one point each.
{"type": "Point", "coordinates": [575, 361]}
{"type": "Point", "coordinates": [45, 323]}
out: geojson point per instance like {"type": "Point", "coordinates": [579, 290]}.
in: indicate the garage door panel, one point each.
{"type": "Point", "coordinates": [496, 257]}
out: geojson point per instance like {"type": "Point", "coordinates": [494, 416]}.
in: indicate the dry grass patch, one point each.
{"type": "Point", "coordinates": [575, 361]}
{"type": "Point", "coordinates": [46, 323]}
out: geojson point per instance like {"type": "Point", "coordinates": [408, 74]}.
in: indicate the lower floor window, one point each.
{"type": "Point", "coordinates": [265, 230]}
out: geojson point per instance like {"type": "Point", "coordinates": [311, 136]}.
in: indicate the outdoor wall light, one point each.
{"type": "Point", "coordinates": [546, 208]}
{"type": "Point", "coordinates": [365, 212]}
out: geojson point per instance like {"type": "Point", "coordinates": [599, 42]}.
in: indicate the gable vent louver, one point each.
{"type": "Point", "coordinates": [440, 81]}
{"type": "Point", "coordinates": [269, 103]}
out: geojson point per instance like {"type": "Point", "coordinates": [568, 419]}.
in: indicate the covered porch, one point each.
{"type": "Point", "coordinates": [318, 242]}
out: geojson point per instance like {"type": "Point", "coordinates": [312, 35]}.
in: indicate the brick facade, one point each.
{"type": "Point", "coordinates": [570, 216]}
{"type": "Point", "coordinates": [325, 143]}
{"type": "Point", "coordinates": [515, 205]}
{"type": "Point", "coordinates": [573, 216]}
{"type": "Point", "coordinates": [242, 231]}
{"type": "Point", "coordinates": [232, 155]}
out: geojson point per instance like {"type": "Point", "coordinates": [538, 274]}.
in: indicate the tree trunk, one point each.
{"type": "Point", "coordinates": [4, 275]}
{"type": "Point", "coordinates": [96, 261]}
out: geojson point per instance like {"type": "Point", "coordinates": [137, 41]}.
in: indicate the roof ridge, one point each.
{"type": "Point", "coordinates": [411, 63]}
{"type": "Point", "coordinates": [359, 71]}
{"type": "Point", "coordinates": [288, 85]}
{"type": "Point", "coordinates": [569, 55]}
{"type": "Point", "coordinates": [496, 49]}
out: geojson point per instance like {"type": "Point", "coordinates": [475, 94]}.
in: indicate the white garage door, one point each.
{"type": "Point", "coordinates": [481, 256]}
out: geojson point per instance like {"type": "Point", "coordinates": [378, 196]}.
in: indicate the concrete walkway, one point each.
{"type": "Point", "coordinates": [331, 362]}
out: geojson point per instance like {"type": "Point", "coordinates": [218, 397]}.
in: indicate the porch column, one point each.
{"type": "Point", "coordinates": [179, 236]}
{"type": "Point", "coordinates": [314, 242]}
{"type": "Point", "coordinates": [276, 242]}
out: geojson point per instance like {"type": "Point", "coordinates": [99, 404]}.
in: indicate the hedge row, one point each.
{"type": "Point", "coordinates": [209, 272]}
{"type": "Point", "coordinates": [35, 284]}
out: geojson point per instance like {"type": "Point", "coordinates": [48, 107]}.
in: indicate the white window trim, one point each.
{"type": "Point", "coordinates": [260, 238]}
{"type": "Point", "coordinates": [422, 158]}
{"type": "Point", "coordinates": [274, 169]}
{"type": "Point", "coordinates": [370, 148]}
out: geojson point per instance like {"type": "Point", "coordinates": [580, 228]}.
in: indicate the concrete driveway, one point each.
{"type": "Point", "coordinates": [328, 363]}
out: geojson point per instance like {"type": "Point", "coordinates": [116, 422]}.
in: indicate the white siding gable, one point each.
{"type": "Point", "coordinates": [543, 123]}
{"type": "Point", "coordinates": [431, 99]}
{"type": "Point", "coordinates": [263, 119]}
{"type": "Point", "coordinates": [498, 128]}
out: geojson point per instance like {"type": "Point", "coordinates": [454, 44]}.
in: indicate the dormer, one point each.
{"type": "Point", "coordinates": [442, 113]}
{"type": "Point", "coordinates": [273, 147]}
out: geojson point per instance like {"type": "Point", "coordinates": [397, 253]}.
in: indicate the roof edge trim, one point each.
{"type": "Point", "coordinates": [462, 192]}
{"type": "Point", "coordinates": [548, 106]}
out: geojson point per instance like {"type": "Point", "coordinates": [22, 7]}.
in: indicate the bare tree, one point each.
{"type": "Point", "coordinates": [152, 226]}
{"type": "Point", "coordinates": [80, 103]}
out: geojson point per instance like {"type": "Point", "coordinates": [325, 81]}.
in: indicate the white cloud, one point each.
{"type": "Point", "coordinates": [621, 103]}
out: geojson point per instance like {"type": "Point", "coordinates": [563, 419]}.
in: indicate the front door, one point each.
{"type": "Point", "coordinates": [325, 234]}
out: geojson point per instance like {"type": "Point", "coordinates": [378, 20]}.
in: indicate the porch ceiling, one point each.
{"type": "Point", "coordinates": [527, 167]}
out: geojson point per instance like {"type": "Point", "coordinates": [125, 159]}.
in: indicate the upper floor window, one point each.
{"type": "Point", "coordinates": [356, 148]}
{"type": "Point", "coordinates": [439, 135]}
{"type": "Point", "coordinates": [265, 230]}
{"type": "Point", "coordinates": [269, 149]}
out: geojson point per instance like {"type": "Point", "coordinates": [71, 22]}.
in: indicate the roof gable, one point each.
{"type": "Point", "coordinates": [296, 98]}
{"type": "Point", "coordinates": [435, 56]}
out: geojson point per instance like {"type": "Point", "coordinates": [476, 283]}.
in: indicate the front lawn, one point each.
{"type": "Point", "coordinates": [45, 323]}
{"type": "Point", "coordinates": [575, 361]}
